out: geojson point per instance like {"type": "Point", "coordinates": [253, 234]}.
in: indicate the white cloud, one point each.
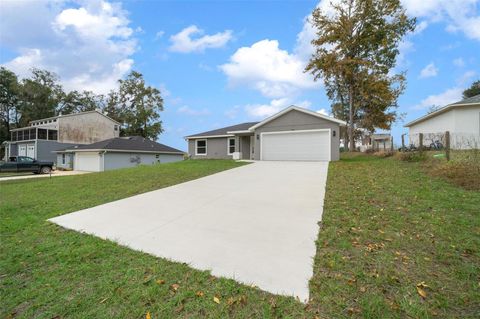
{"type": "Point", "coordinates": [459, 62]}
{"type": "Point", "coordinates": [159, 35]}
{"type": "Point", "coordinates": [466, 78]}
{"type": "Point", "coordinates": [89, 47]}
{"type": "Point", "coordinates": [460, 15]}
{"type": "Point", "coordinates": [429, 71]}
{"type": "Point", "coordinates": [442, 99]}
{"type": "Point", "coordinates": [275, 106]}
{"type": "Point", "coordinates": [275, 73]}
{"type": "Point", "coordinates": [420, 27]}
{"type": "Point", "coordinates": [324, 112]}
{"type": "Point", "coordinates": [185, 43]}
{"type": "Point", "coordinates": [193, 112]}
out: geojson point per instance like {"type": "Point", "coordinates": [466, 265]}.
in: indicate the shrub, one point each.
{"type": "Point", "coordinates": [369, 151]}
{"type": "Point", "coordinates": [462, 173]}
{"type": "Point", "coordinates": [412, 156]}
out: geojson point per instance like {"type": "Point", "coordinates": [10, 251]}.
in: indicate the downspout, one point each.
{"type": "Point", "coordinates": [103, 160]}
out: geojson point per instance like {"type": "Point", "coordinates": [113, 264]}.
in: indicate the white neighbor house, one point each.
{"type": "Point", "coordinates": [461, 119]}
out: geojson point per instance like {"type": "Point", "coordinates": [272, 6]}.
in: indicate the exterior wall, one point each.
{"type": "Point", "coordinates": [216, 148]}
{"type": "Point", "coordinates": [295, 120]}
{"type": "Point", "coordinates": [438, 124]}
{"type": "Point", "coordinates": [13, 149]}
{"type": "Point", "coordinates": [85, 128]}
{"type": "Point", "coordinates": [463, 123]}
{"type": "Point", "coordinates": [69, 160]}
{"type": "Point", "coordinates": [124, 160]}
{"type": "Point", "coordinates": [45, 150]}
{"type": "Point", "coordinates": [467, 128]}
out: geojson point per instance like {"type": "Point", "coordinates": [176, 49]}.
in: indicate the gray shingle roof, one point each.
{"type": "Point", "coordinates": [224, 130]}
{"type": "Point", "coordinates": [131, 143]}
{"type": "Point", "coordinates": [471, 100]}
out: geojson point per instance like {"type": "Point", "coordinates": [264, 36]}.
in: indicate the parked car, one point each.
{"type": "Point", "coordinates": [19, 164]}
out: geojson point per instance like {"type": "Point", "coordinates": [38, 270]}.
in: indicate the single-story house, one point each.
{"type": "Point", "coordinates": [293, 134]}
{"type": "Point", "coordinates": [461, 119]}
{"type": "Point", "coordinates": [119, 152]}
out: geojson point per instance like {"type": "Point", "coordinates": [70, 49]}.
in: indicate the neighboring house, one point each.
{"type": "Point", "coordinates": [119, 152]}
{"type": "Point", "coordinates": [42, 137]}
{"type": "Point", "coordinates": [377, 142]}
{"type": "Point", "coordinates": [292, 134]}
{"type": "Point", "coordinates": [461, 119]}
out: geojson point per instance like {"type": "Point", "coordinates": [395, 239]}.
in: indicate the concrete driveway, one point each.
{"type": "Point", "coordinates": [256, 224]}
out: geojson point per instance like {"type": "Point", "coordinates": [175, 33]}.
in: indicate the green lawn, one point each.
{"type": "Point", "coordinates": [386, 228]}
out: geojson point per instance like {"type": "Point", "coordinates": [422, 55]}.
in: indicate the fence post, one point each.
{"type": "Point", "coordinates": [420, 141]}
{"type": "Point", "coordinates": [447, 145]}
{"type": "Point", "coordinates": [391, 143]}
{"type": "Point", "coordinates": [403, 141]}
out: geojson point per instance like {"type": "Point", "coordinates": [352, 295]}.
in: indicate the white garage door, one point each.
{"type": "Point", "coordinates": [311, 145]}
{"type": "Point", "coordinates": [87, 161]}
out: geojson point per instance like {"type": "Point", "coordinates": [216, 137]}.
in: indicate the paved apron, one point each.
{"type": "Point", "coordinates": [256, 224]}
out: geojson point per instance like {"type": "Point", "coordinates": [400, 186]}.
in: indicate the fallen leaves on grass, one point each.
{"type": "Point", "coordinates": [216, 300]}
{"type": "Point", "coordinates": [420, 289]}
{"type": "Point", "coordinates": [199, 293]}
{"type": "Point", "coordinates": [175, 287]}
{"type": "Point", "coordinates": [148, 316]}
{"type": "Point", "coordinates": [160, 281]}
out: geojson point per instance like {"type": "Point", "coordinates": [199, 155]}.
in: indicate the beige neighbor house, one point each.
{"type": "Point", "coordinates": [293, 134]}
{"type": "Point", "coordinates": [41, 137]}
{"type": "Point", "coordinates": [461, 119]}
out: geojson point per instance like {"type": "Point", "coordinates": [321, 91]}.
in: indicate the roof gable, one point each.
{"type": "Point", "coordinates": [299, 109]}
{"type": "Point", "coordinates": [474, 100]}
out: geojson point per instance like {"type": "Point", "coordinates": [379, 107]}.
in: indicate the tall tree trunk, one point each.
{"type": "Point", "coordinates": [350, 116]}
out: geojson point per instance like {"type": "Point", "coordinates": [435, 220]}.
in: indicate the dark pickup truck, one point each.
{"type": "Point", "coordinates": [19, 164]}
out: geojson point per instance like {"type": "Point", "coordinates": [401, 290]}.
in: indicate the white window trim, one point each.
{"type": "Point", "coordinates": [196, 147]}
{"type": "Point", "coordinates": [234, 145]}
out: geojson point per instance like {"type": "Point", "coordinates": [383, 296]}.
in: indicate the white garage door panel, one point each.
{"type": "Point", "coordinates": [88, 161]}
{"type": "Point", "coordinates": [296, 146]}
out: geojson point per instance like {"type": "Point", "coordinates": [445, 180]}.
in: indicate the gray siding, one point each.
{"type": "Point", "coordinates": [216, 148]}
{"type": "Point", "coordinates": [124, 160]}
{"type": "Point", "coordinates": [69, 160]}
{"type": "Point", "coordinates": [295, 120]}
{"type": "Point", "coordinates": [13, 150]}
{"type": "Point", "coordinates": [45, 150]}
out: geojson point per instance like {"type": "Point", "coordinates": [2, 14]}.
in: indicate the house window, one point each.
{"type": "Point", "coordinates": [157, 157]}
{"type": "Point", "coordinates": [14, 136]}
{"type": "Point", "coordinates": [63, 159]}
{"type": "Point", "coordinates": [52, 135]}
{"type": "Point", "coordinates": [115, 127]}
{"type": "Point", "coordinates": [201, 147]}
{"type": "Point", "coordinates": [231, 145]}
{"type": "Point", "coordinates": [42, 134]}
{"type": "Point", "coordinates": [33, 134]}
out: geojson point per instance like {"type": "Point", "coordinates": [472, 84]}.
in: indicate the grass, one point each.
{"type": "Point", "coordinates": [386, 228]}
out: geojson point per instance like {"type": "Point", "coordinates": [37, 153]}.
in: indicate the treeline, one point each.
{"type": "Point", "coordinates": [134, 104]}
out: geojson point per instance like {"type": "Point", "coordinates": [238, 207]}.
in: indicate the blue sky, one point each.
{"type": "Point", "coordinates": [219, 63]}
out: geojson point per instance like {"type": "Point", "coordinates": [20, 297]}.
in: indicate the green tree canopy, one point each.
{"type": "Point", "coordinates": [137, 106]}
{"type": "Point", "coordinates": [473, 90]}
{"type": "Point", "coordinates": [356, 49]}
